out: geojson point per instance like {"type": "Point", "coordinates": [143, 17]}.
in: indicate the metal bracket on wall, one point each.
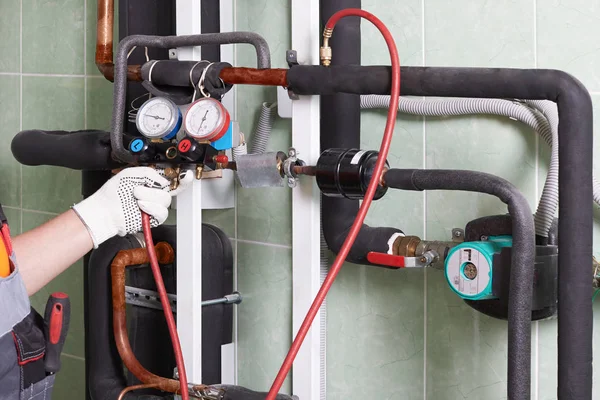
{"type": "Point", "coordinates": [291, 57]}
{"type": "Point", "coordinates": [150, 299]}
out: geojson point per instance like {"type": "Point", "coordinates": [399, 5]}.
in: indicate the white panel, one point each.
{"type": "Point", "coordinates": [306, 378]}
{"type": "Point", "coordinates": [227, 362]}
{"type": "Point", "coordinates": [189, 279]}
{"type": "Point", "coordinates": [284, 103]}
{"type": "Point", "coordinates": [188, 23]}
{"type": "Point", "coordinates": [228, 351]}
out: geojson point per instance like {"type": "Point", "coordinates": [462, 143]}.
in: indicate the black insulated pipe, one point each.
{"type": "Point", "coordinates": [210, 17]}
{"type": "Point", "coordinates": [340, 127]}
{"type": "Point", "coordinates": [523, 256]}
{"type": "Point", "coordinates": [575, 132]}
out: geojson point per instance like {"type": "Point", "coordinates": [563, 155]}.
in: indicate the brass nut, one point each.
{"type": "Point", "coordinates": [171, 173]}
{"type": "Point", "coordinates": [406, 246]}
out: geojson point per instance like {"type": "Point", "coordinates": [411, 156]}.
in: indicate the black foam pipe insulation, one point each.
{"type": "Point", "coordinates": [523, 256]}
{"type": "Point", "coordinates": [210, 17]}
{"type": "Point", "coordinates": [575, 174]}
{"type": "Point", "coordinates": [340, 127]}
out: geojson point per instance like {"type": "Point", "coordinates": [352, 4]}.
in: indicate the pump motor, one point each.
{"type": "Point", "coordinates": [478, 270]}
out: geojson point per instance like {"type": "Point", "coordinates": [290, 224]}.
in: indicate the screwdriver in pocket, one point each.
{"type": "Point", "coordinates": [56, 321]}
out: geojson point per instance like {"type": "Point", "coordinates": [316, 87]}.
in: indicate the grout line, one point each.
{"type": "Point", "coordinates": [85, 105]}
{"type": "Point", "coordinates": [10, 73]}
{"type": "Point", "coordinates": [536, 378]}
{"type": "Point", "coordinates": [535, 58]}
{"type": "Point", "coordinates": [424, 132]}
{"type": "Point", "coordinates": [21, 104]}
{"type": "Point", "coordinates": [235, 218]}
{"type": "Point", "coordinates": [53, 75]}
{"type": "Point", "coordinates": [39, 212]}
{"type": "Point", "coordinates": [280, 246]}
{"type": "Point", "coordinates": [536, 361]}
{"type": "Point", "coordinates": [73, 357]}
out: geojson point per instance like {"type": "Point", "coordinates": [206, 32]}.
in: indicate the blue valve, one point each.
{"type": "Point", "coordinates": [137, 145]}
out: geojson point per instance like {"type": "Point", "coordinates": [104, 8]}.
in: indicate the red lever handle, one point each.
{"type": "Point", "coordinates": [389, 260]}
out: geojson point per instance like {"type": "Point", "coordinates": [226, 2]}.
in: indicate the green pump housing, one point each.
{"type": "Point", "coordinates": [469, 267]}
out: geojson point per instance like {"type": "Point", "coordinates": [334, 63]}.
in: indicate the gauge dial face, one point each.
{"type": "Point", "coordinates": [157, 118]}
{"type": "Point", "coordinates": [205, 119]}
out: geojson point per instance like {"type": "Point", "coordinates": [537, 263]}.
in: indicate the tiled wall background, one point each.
{"type": "Point", "coordinates": [392, 334]}
{"type": "Point", "coordinates": [48, 80]}
{"type": "Point", "coordinates": [404, 334]}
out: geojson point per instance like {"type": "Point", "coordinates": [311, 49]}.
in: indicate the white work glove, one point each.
{"type": "Point", "coordinates": [115, 208]}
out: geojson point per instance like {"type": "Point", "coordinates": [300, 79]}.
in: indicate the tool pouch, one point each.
{"type": "Point", "coordinates": [22, 345]}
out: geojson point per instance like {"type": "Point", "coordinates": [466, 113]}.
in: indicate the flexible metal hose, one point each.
{"type": "Point", "coordinates": [540, 115]}
{"type": "Point", "coordinates": [262, 131]}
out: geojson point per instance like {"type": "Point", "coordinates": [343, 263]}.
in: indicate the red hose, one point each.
{"type": "Point", "coordinates": [160, 285]}
{"type": "Point", "coordinates": [362, 212]}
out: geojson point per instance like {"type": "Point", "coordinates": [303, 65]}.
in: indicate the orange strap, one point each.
{"type": "Point", "coordinates": [5, 251]}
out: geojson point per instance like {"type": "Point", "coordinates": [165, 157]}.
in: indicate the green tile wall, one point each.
{"type": "Point", "coordinates": [46, 83]}
{"type": "Point", "coordinates": [404, 334]}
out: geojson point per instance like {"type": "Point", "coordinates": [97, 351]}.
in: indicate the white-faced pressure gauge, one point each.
{"type": "Point", "coordinates": [206, 119]}
{"type": "Point", "coordinates": [158, 118]}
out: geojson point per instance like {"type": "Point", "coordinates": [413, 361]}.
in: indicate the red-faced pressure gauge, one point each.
{"type": "Point", "coordinates": [206, 119]}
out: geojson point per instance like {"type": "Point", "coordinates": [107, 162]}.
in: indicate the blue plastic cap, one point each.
{"type": "Point", "coordinates": [137, 145]}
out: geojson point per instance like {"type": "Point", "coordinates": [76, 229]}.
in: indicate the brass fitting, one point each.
{"type": "Point", "coordinates": [171, 152]}
{"type": "Point", "coordinates": [325, 51]}
{"type": "Point", "coordinates": [406, 246]}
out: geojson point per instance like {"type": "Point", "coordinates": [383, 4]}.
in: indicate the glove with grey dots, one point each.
{"type": "Point", "coordinates": [116, 208]}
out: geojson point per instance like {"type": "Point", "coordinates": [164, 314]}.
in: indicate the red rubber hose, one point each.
{"type": "Point", "coordinates": [362, 212]}
{"type": "Point", "coordinates": [160, 285]}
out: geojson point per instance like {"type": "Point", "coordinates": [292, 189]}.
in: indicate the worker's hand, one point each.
{"type": "Point", "coordinates": [115, 208]}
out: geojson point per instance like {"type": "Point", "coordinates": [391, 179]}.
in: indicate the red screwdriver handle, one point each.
{"type": "Point", "coordinates": [56, 317]}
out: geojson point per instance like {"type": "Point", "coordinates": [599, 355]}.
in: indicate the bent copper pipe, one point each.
{"type": "Point", "coordinates": [104, 43]}
{"type": "Point", "coordinates": [123, 259]}
{"type": "Point", "coordinates": [104, 38]}
{"type": "Point", "coordinates": [105, 63]}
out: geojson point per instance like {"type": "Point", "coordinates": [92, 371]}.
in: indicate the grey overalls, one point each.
{"type": "Point", "coordinates": [22, 343]}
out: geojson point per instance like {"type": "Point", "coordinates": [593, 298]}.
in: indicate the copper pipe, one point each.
{"type": "Point", "coordinates": [135, 387]}
{"type": "Point", "coordinates": [305, 170]}
{"type": "Point", "coordinates": [105, 63]}
{"type": "Point", "coordinates": [104, 38]}
{"type": "Point", "coordinates": [123, 259]}
{"type": "Point", "coordinates": [253, 76]}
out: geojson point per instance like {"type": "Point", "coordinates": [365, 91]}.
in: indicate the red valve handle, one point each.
{"type": "Point", "coordinates": [389, 260]}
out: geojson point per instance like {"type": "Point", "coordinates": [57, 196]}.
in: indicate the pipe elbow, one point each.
{"type": "Point", "coordinates": [369, 239]}
{"type": "Point", "coordinates": [107, 70]}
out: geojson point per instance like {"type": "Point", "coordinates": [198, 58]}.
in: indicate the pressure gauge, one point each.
{"type": "Point", "coordinates": [206, 119]}
{"type": "Point", "coordinates": [158, 118]}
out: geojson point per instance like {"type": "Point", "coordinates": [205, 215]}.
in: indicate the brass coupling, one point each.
{"type": "Point", "coordinates": [406, 246]}
{"type": "Point", "coordinates": [325, 52]}
{"type": "Point", "coordinates": [413, 246]}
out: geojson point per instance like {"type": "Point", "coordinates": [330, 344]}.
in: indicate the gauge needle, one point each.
{"type": "Point", "coordinates": [154, 116]}
{"type": "Point", "coordinates": [204, 118]}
